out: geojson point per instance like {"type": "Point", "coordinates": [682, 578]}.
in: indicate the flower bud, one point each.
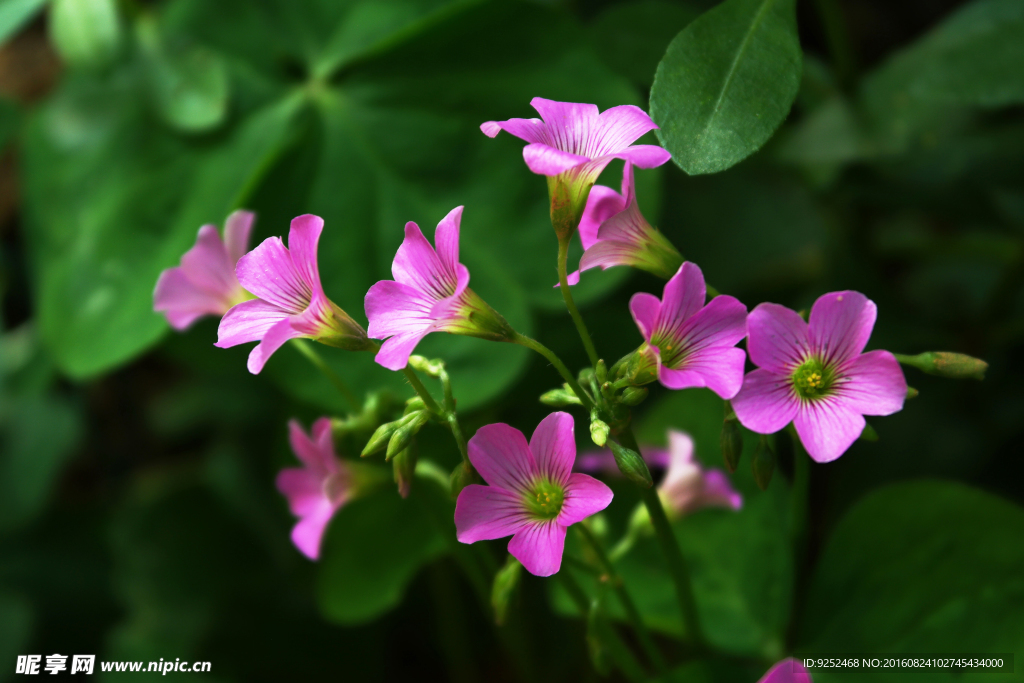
{"type": "Point", "coordinates": [763, 464]}
{"type": "Point", "coordinates": [634, 396]}
{"type": "Point", "coordinates": [599, 429]}
{"type": "Point", "coordinates": [642, 366]}
{"type": "Point", "coordinates": [431, 368]}
{"type": "Point", "coordinates": [560, 398]}
{"type": "Point", "coordinates": [632, 465]}
{"type": "Point", "coordinates": [946, 364]}
{"type": "Point", "coordinates": [408, 427]}
{"type": "Point", "coordinates": [404, 467]}
{"type": "Point", "coordinates": [505, 582]}
{"type": "Point", "coordinates": [461, 477]}
{"type": "Point", "coordinates": [601, 370]}
{"type": "Point", "coordinates": [869, 433]}
{"type": "Point", "coordinates": [912, 392]}
{"type": "Point", "coordinates": [380, 437]}
{"type": "Point", "coordinates": [732, 443]}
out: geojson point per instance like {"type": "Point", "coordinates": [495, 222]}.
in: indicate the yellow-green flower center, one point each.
{"type": "Point", "coordinates": [544, 500]}
{"type": "Point", "coordinates": [813, 379]}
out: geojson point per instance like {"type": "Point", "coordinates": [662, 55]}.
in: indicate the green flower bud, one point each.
{"type": "Point", "coordinates": [414, 404]}
{"type": "Point", "coordinates": [763, 464]}
{"type": "Point", "coordinates": [380, 438]}
{"type": "Point", "coordinates": [912, 392]}
{"type": "Point", "coordinates": [946, 364]}
{"type": "Point", "coordinates": [505, 582]}
{"type": "Point", "coordinates": [560, 398]}
{"type": "Point", "coordinates": [599, 429]}
{"type": "Point", "coordinates": [408, 427]}
{"type": "Point", "coordinates": [404, 468]}
{"type": "Point", "coordinates": [432, 368]}
{"type": "Point", "coordinates": [732, 443]}
{"type": "Point", "coordinates": [632, 465]}
{"type": "Point", "coordinates": [601, 371]}
{"type": "Point", "coordinates": [634, 396]}
{"type": "Point", "coordinates": [461, 477]}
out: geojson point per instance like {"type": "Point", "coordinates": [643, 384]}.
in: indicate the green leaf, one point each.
{"type": "Point", "coordinates": [926, 566]}
{"type": "Point", "coordinates": [86, 33]}
{"type": "Point", "coordinates": [726, 83]}
{"type": "Point", "coordinates": [16, 13]}
{"type": "Point", "coordinates": [373, 548]}
{"type": "Point", "coordinates": [112, 201]}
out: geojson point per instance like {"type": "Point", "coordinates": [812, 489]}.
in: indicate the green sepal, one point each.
{"type": "Point", "coordinates": [632, 465]}
{"type": "Point", "coordinates": [763, 464]}
{"type": "Point", "coordinates": [505, 582]}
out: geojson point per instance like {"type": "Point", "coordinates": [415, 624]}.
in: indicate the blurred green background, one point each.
{"type": "Point", "coordinates": [138, 515]}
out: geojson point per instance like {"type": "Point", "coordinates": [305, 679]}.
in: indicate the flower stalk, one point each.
{"type": "Point", "coordinates": [563, 281]}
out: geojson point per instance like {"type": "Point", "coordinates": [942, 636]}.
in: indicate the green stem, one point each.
{"type": "Point", "coordinates": [677, 566]}
{"type": "Point", "coordinates": [453, 420]}
{"type": "Point", "coordinates": [563, 280]}
{"type": "Point", "coordinates": [843, 58]}
{"type": "Point", "coordinates": [310, 353]}
{"type": "Point", "coordinates": [627, 602]}
{"type": "Point", "coordinates": [535, 345]}
{"type": "Point", "coordinates": [421, 391]}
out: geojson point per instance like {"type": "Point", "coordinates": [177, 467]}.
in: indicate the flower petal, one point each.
{"type": "Point", "coordinates": [248, 321]}
{"type": "Point", "coordinates": [483, 513]}
{"type": "Point", "coordinates": [875, 384]}
{"type": "Point", "coordinates": [237, 230]}
{"type": "Point", "coordinates": [827, 427]}
{"type": "Point", "coordinates": [841, 324]}
{"type": "Point", "coordinates": [316, 453]}
{"type": "Point", "coordinates": [207, 264]}
{"type": "Point", "coordinates": [718, 491]}
{"type": "Point", "coordinates": [787, 671]}
{"type": "Point", "coordinates": [181, 301]}
{"type": "Point", "coordinates": [777, 338]}
{"type": "Point", "coordinates": [446, 238]}
{"type": "Point", "coordinates": [417, 265]}
{"type": "Point", "coordinates": [646, 309]}
{"type": "Point", "coordinates": [718, 369]}
{"type": "Point", "coordinates": [268, 272]}
{"type": "Point", "coordinates": [684, 295]}
{"type": "Point", "coordinates": [546, 160]}
{"type": "Point", "coordinates": [766, 403]}
{"type": "Point", "coordinates": [394, 353]}
{"type": "Point", "coordinates": [503, 458]}
{"type": "Point", "coordinates": [723, 322]}
{"type": "Point", "coordinates": [539, 547]}
{"type": "Point", "coordinates": [303, 489]}
{"type": "Point", "coordinates": [553, 445]}
{"type": "Point", "coordinates": [309, 532]}
{"type": "Point", "coordinates": [644, 156]}
{"type": "Point", "coordinates": [303, 237]}
{"type": "Point", "coordinates": [619, 128]}
{"type": "Point", "coordinates": [393, 308]}
{"type": "Point", "coordinates": [602, 203]}
{"type": "Point", "coordinates": [275, 337]}
{"type": "Point", "coordinates": [569, 125]}
{"type": "Point", "coordinates": [531, 130]}
{"type": "Point", "coordinates": [584, 496]}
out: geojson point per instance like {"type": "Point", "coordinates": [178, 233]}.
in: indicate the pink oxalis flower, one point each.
{"type": "Point", "coordinates": [430, 293]}
{"type": "Point", "coordinates": [532, 491]}
{"type": "Point", "coordinates": [787, 671]}
{"type": "Point", "coordinates": [291, 301]}
{"type": "Point", "coordinates": [692, 345]}
{"type": "Point", "coordinates": [688, 486]}
{"type": "Point", "coordinates": [615, 233]}
{"type": "Point", "coordinates": [572, 143]}
{"type": "Point", "coordinates": [316, 490]}
{"type": "Point", "coordinates": [815, 375]}
{"type": "Point", "coordinates": [205, 282]}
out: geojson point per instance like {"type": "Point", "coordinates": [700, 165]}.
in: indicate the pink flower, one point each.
{"type": "Point", "coordinates": [687, 486]}
{"type": "Point", "coordinates": [430, 293]}
{"type": "Point", "coordinates": [572, 143]}
{"type": "Point", "coordinates": [787, 671]}
{"type": "Point", "coordinates": [533, 492]}
{"type": "Point", "coordinates": [814, 374]}
{"type": "Point", "coordinates": [692, 344]}
{"type": "Point", "coordinates": [615, 233]}
{"type": "Point", "coordinates": [205, 282]}
{"type": "Point", "coordinates": [316, 490]}
{"type": "Point", "coordinates": [291, 300]}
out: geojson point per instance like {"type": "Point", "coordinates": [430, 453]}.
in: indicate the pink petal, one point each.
{"type": "Point", "coordinates": [394, 353]}
{"type": "Point", "coordinates": [602, 203]}
{"type": "Point", "coordinates": [646, 308]}
{"type": "Point", "coordinates": [553, 445]}
{"type": "Point", "coordinates": [446, 238]}
{"type": "Point", "coordinates": [584, 496]}
{"type": "Point", "coordinates": [393, 308]}
{"type": "Point", "coordinates": [644, 156]}
{"type": "Point", "coordinates": [545, 160]}
{"type": "Point", "coordinates": [684, 295]}
{"type": "Point", "coordinates": [827, 427]}
{"type": "Point", "coordinates": [503, 458]}
{"type": "Point", "coordinates": [682, 471]}
{"type": "Point", "coordinates": [275, 337]}
{"type": "Point", "coordinates": [208, 266]}
{"type": "Point", "coordinates": [718, 491]}
{"type": "Point", "coordinates": [483, 513]}
{"type": "Point", "coordinates": [777, 338]}
{"type": "Point", "coordinates": [268, 272]}
{"type": "Point", "coordinates": [787, 671]}
{"type": "Point", "coordinates": [316, 453]}
{"type": "Point", "coordinates": [309, 532]}
{"type": "Point", "coordinates": [181, 301]}
{"type": "Point", "coordinates": [531, 130]}
{"type": "Point", "coordinates": [303, 489]}
{"type": "Point", "coordinates": [766, 403]}
{"type": "Point", "coordinates": [246, 322]}
{"type": "Point", "coordinates": [539, 547]}
{"type": "Point", "coordinates": [875, 384]}
{"type": "Point", "coordinates": [417, 265]}
{"type": "Point", "coordinates": [719, 369]}
{"type": "Point", "coordinates": [608, 254]}
{"type": "Point", "coordinates": [841, 324]}
{"type": "Point", "coordinates": [619, 128]}
{"type": "Point", "coordinates": [303, 237]}
{"type": "Point", "coordinates": [570, 125]}
{"type": "Point", "coordinates": [723, 322]}
{"type": "Point", "coordinates": [237, 230]}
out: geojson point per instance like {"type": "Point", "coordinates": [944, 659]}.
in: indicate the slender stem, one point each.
{"type": "Point", "coordinates": [677, 566]}
{"type": "Point", "coordinates": [453, 420]}
{"type": "Point", "coordinates": [421, 391]}
{"type": "Point", "coordinates": [843, 58]}
{"type": "Point", "coordinates": [563, 281]}
{"type": "Point", "coordinates": [535, 345]}
{"type": "Point", "coordinates": [627, 602]}
{"type": "Point", "coordinates": [310, 353]}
